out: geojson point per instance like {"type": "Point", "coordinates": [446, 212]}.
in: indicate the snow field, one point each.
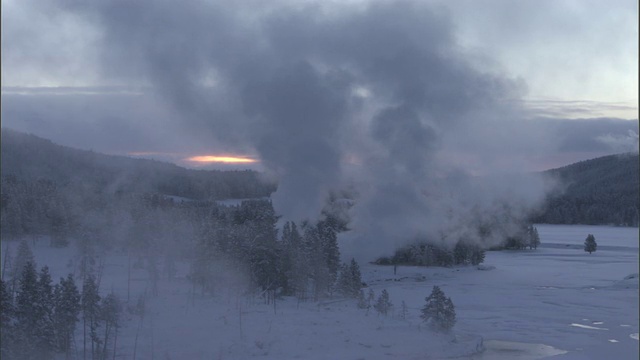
{"type": "Point", "coordinates": [532, 305]}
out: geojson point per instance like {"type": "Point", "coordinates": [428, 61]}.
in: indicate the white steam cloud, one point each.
{"type": "Point", "coordinates": [367, 95]}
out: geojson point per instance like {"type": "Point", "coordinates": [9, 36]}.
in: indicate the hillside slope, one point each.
{"type": "Point", "coordinates": [599, 191]}
{"type": "Point", "coordinates": [29, 158]}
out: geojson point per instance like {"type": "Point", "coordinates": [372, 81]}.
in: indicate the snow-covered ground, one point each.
{"type": "Point", "coordinates": [556, 300]}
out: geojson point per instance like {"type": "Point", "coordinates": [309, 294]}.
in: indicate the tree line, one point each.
{"type": "Point", "coordinates": [39, 319]}
{"type": "Point", "coordinates": [304, 261]}
{"type": "Point", "coordinates": [601, 191]}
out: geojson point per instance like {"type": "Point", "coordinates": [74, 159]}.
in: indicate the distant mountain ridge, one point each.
{"type": "Point", "coordinates": [600, 191]}
{"type": "Point", "coordinates": [30, 158]}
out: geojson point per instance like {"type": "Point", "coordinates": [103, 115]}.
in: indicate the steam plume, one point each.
{"type": "Point", "coordinates": [308, 85]}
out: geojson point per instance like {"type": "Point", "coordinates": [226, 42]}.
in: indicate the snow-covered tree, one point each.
{"type": "Point", "coordinates": [329, 244]}
{"type": "Point", "coordinates": [356, 277]}
{"type": "Point", "coordinates": [45, 304]}
{"type": "Point", "coordinates": [318, 271]}
{"type": "Point", "coordinates": [535, 238]}
{"type": "Point", "coordinates": [383, 304]}
{"type": "Point", "coordinates": [110, 313]}
{"type": "Point", "coordinates": [439, 311]}
{"type": "Point", "coordinates": [7, 321]}
{"type": "Point", "coordinates": [66, 311]}
{"type": "Point", "coordinates": [90, 314]}
{"type": "Point", "coordinates": [350, 279]}
{"type": "Point", "coordinates": [590, 244]}
{"type": "Point", "coordinates": [34, 337]}
{"type": "Point", "coordinates": [298, 271]}
{"type": "Point", "coordinates": [344, 280]}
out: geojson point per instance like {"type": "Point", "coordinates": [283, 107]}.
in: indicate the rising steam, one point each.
{"type": "Point", "coordinates": [372, 95]}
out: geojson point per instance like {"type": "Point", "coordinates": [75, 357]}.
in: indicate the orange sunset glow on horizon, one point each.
{"type": "Point", "coordinates": [221, 159]}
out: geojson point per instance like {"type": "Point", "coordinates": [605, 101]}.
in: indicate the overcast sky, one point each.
{"type": "Point", "coordinates": [171, 79]}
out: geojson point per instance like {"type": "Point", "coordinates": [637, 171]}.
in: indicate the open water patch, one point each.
{"type": "Point", "coordinates": [511, 350]}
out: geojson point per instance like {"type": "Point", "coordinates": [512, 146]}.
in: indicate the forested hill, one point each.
{"type": "Point", "coordinates": [30, 158]}
{"type": "Point", "coordinates": [601, 191]}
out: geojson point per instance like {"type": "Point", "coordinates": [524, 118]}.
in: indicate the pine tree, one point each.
{"type": "Point", "coordinates": [329, 245]}
{"type": "Point", "coordinates": [319, 273]}
{"type": "Point", "coordinates": [350, 279]}
{"type": "Point", "coordinates": [28, 313]}
{"type": "Point", "coordinates": [355, 278]}
{"type": "Point", "coordinates": [66, 311]}
{"type": "Point", "coordinates": [90, 313]}
{"type": "Point", "coordinates": [288, 255]}
{"type": "Point", "coordinates": [300, 269]}
{"type": "Point", "coordinates": [590, 244]}
{"type": "Point", "coordinates": [439, 311]}
{"type": "Point", "coordinates": [7, 317]}
{"type": "Point", "coordinates": [383, 304]}
{"type": "Point", "coordinates": [536, 239]}
{"type": "Point", "coordinates": [344, 280]}
{"type": "Point", "coordinates": [110, 314]}
{"type": "Point", "coordinates": [45, 303]}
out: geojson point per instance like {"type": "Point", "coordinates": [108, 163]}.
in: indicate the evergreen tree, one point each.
{"type": "Point", "coordinates": [318, 270]}
{"type": "Point", "coordinates": [66, 311]}
{"type": "Point", "coordinates": [590, 244]}
{"type": "Point", "coordinates": [110, 314]}
{"type": "Point", "coordinates": [344, 280]}
{"type": "Point", "coordinates": [45, 304]}
{"type": "Point", "coordinates": [383, 304]}
{"type": "Point", "coordinates": [355, 277]}
{"type": "Point", "coordinates": [350, 279]}
{"type": "Point", "coordinates": [439, 311]}
{"type": "Point", "coordinates": [535, 238]}
{"type": "Point", "coordinates": [329, 245]}
{"type": "Point", "coordinates": [287, 260]}
{"type": "Point", "coordinates": [300, 269]}
{"type": "Point", "coordinates": [7, 321]}
{"type": "Point", "coordinates": [90, 314]}
{"type": "Point", "coordinates": [28, 314]}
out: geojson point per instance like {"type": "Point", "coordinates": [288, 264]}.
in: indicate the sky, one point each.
{"type": "Point", "coordinates": [94, 76]}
